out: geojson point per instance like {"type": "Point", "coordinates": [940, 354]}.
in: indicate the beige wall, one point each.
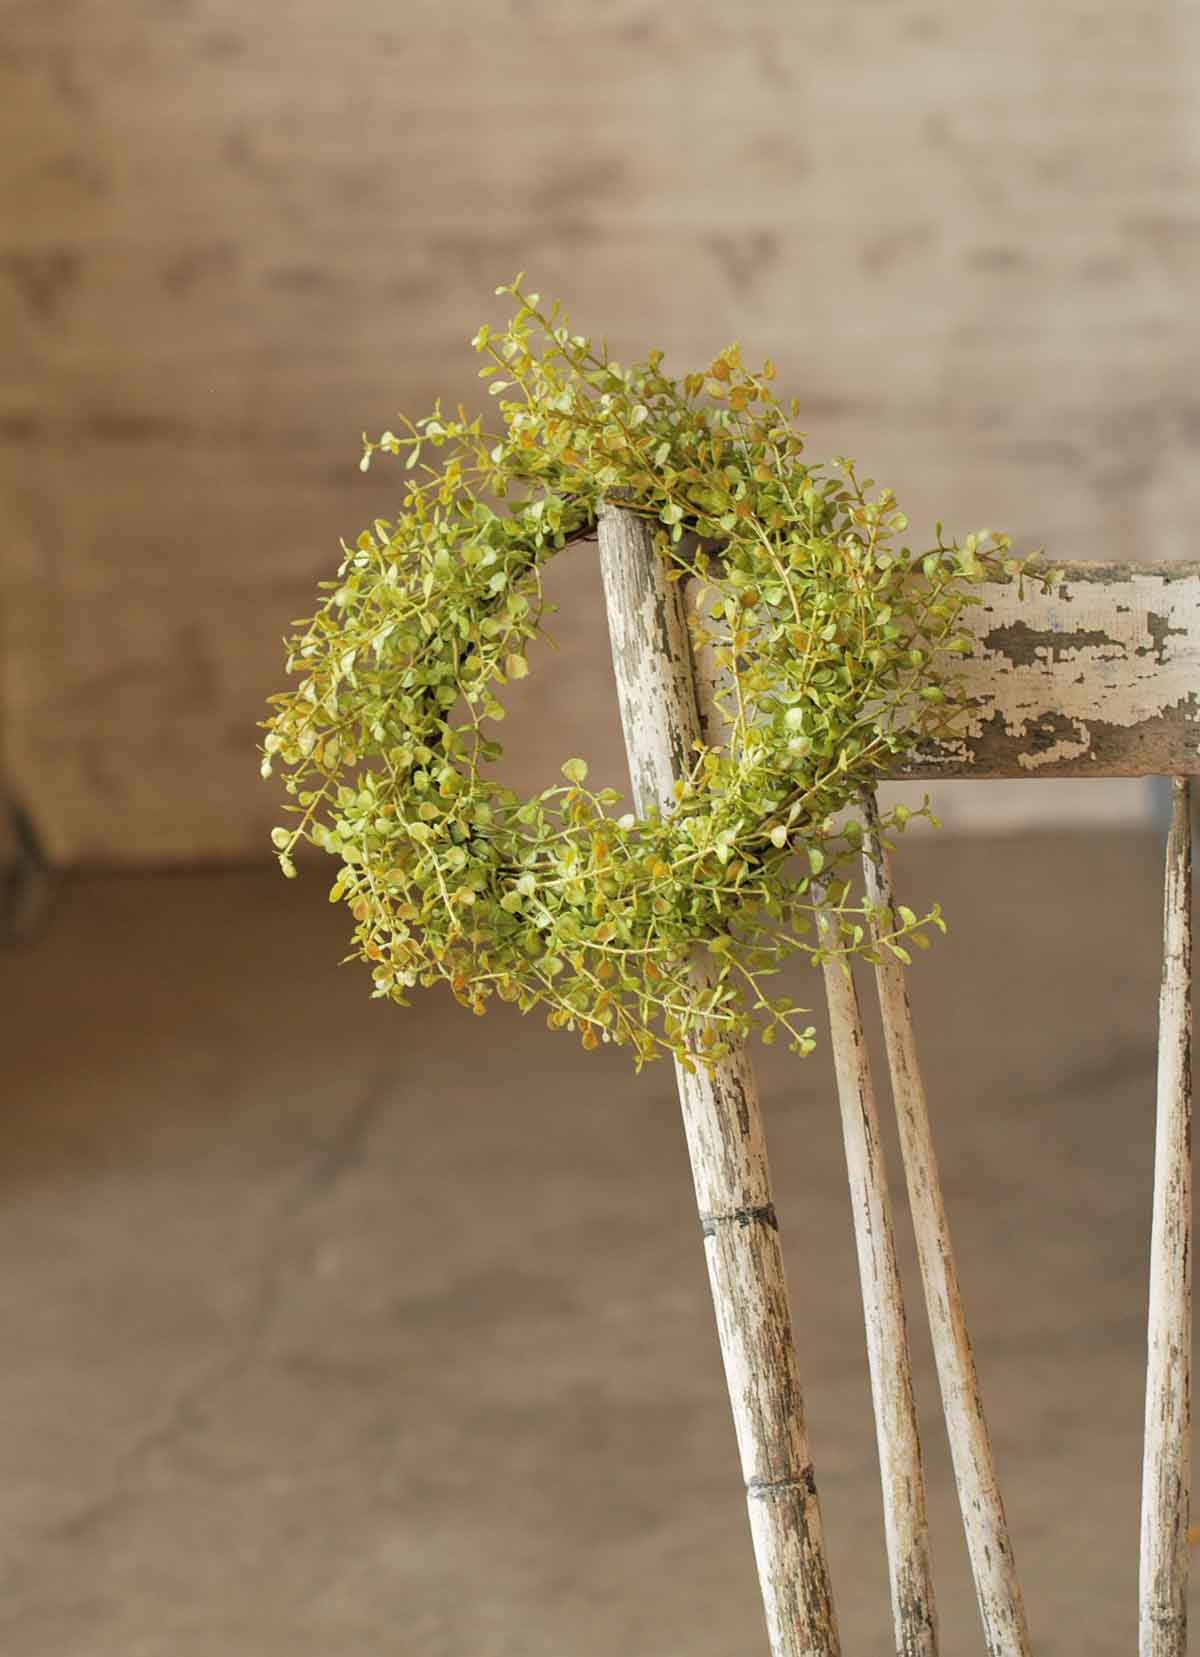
{"type": "Point", "coordinates": [232, 236]}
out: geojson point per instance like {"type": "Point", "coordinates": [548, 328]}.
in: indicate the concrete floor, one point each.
{"type": "Point", "coordinates": [333, 1330]}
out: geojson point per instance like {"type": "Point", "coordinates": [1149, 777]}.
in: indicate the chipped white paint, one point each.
{"type": "Point", "coordinates": [902, 1477]}
{"type": "Point", "coordinates": [999, 1595]}
{"type": "Point", "coordinates": [723, 1123]}
{"type": "Point", "coordinates": [1166, 1470]}
{"type": "Point", "coordinates": [1100, 677]}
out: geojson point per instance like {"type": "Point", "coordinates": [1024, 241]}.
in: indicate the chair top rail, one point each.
{"type": "Point", "coordinates": [1098, 678]}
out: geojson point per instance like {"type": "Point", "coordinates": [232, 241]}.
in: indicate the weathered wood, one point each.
{"type": "Point", "coordinates": [902, 1476]}
{"type": "Point", "coordinates": [1099, 678]}
{"type": "Point", "coordinates": [1166, 1470]}
{"type": "Point", "coordinates": [1000, 1604]}
{"type": "Point", "coordinates": [726, 1143]}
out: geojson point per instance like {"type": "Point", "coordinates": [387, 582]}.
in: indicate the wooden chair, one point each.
{"type": "Point", "coordinates": [1099, 679]}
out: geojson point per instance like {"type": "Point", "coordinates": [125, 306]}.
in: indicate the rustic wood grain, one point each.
{"type": "Point", "coordinates": [725, 1137]}
{"type": "Point", "coordinates": [997, 1590]}
{"type": "Point", "coordinates": [1167, 1460]}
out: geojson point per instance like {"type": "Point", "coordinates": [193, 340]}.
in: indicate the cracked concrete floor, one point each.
{"type": "Point", "coordinates": [335, 1330]}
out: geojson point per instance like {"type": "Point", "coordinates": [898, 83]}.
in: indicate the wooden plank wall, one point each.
{"type": "Point", "coordinates": [233, 236]}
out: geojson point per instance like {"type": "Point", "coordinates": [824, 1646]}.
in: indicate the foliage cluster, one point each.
{"type": "Point", "coordinates": [838, 649]}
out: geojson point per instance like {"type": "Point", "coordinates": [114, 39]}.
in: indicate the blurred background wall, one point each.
{"type": "Point", "coordinates": [233, 236]}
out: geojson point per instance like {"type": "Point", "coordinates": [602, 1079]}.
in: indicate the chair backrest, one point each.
{"type": "Point", "coordinates": [1100, 677]}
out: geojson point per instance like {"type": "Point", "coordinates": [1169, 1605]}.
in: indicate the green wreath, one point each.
{"type": "Point", "coordinates": [839, 648]}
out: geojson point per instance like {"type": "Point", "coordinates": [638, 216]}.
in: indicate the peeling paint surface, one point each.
{"type": "Point", "coordinates": [1099, 678]}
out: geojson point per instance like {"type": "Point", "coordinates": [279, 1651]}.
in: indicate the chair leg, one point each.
{"type": "Point", "coordinates": [997, 1590]}
{"type": "Point", "coordinates": [723, 1122]}
{"type": "Point", "coordinates": [902, 1475]}
{"type": "Point", "coordinates": [1166, 1468]}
